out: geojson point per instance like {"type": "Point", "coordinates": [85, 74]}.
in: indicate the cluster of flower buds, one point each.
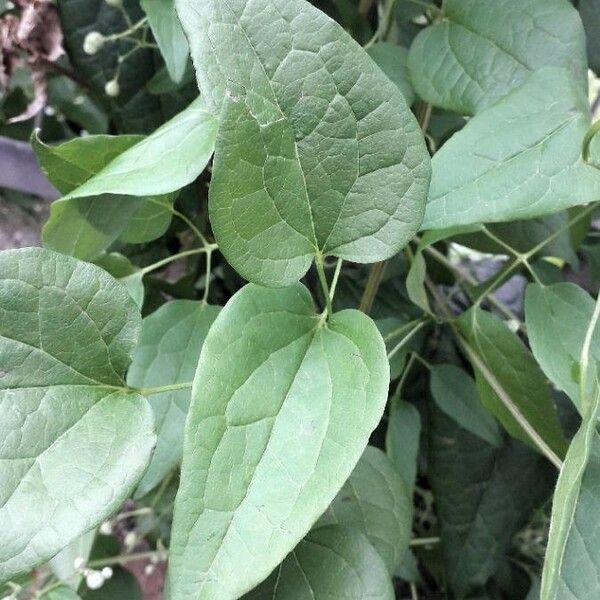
{"type": "Point", "coordinates": [93, 579]}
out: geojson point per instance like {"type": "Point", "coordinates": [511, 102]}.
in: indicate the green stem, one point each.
{"type": "Point", "coordinates": [587, 140]}
{"type": "Point", "coordinates": [191, 225]}
{"type": "Point", "coordinates": [126, 558]}
{"type": "Point", "coordinates": [168, 260]}
{"type": "Point", "coordinates": [324, 286]}
{"type": "Point", "coordinates": [405, 340]}
{"type": "Point", "coordinates": [208, 272]}
{"type": "Point", "coordinates": [585, 352]}
{"type": "Point", "coordinates": [424, 541]}
{"type": "Point", "coordinates": [336, 276]}
{"type": "Point", "coordinates": [400, 330]}
{"type": "Point", "coordinates": [151, 391]}
{"type": "Point", "coordinates": [373, 283]}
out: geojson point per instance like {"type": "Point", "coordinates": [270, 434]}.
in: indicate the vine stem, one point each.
{"type": "Point", "coordinates": [126, 558]}
{"type": "Point", "coordinates": [406, 339]}
{"type": "Point", "coordinates": [585, 352]}
{"type": "Point", "coordinates": [165, 388]}
{"type": "Point", "coordinates": [168, 260]}
{"type": "Point", "coordinates": [372, 287]}
{"type": "Point", "coordinates": [324, 286]}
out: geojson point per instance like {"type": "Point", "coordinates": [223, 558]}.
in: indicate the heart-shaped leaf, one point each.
{"type": "Point", "coordinates": [282, 408]}
{"type": "Point", "coordinates": [317, 152]}
{"type": "Point", "coordinates": [74, 439]}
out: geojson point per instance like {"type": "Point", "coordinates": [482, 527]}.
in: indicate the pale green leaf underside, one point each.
{"type": "Point", "coordinates": [169, 35]}
{"type": "Point", "coordinates": [123, 186]}
{"type": "Point", "coordinates": [557, 320]}
{"type": "Point", "coordinates": [376, 501]}
{"type": "Point", "coordinates": [168, 353]}
{"type": "Point", "coordinates": [483, 50]}
{"type": "Point", "coordinates": [517, 375]}
{"type": "Point", "coordinates": [392, 60]}
{"type": "Point", "coordinates": [572, 562]}
{"type": "Point", "coordinates": [317, 151]}
{"type": "Point", "coordinates": [331, 562]}
{"type": "Point", "coordinates": [282, 409]}
{"type": "Point", "coordinates": [518, 159]}
{"type": "Point", "coordinates": [456, 394]}
{"type": "Point", "coordinates": [73, 441]}
{"type": "Point", "coordinates": [165, 161]}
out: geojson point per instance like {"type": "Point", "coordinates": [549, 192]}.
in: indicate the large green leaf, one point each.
{"type": "Point", "coordinates": [480, 51]}
{"type": "Point", "coordinates": [518, 159]}
{"type": "Point", "coordinates": [483, 496]}
{"type": "Point", "coordinates": [557, 320]}
{"type": "Point", "coordinates": [510, 382]}
{"type": "Point", "coordinates": [282, 408]}
{"type": "Point", "coordinates": [376, 501]}
{"type": "Point", "coordinates": [168, 353]}
{"type": "Point", "coordinates": [456, 394]}
{"type": "Point", "coordinates": [317, 151]}
{"type": "Point", "coordinates": [169, 35]}
{"type": "Point", "coordinates": [124, 185]}
{"type": "Point", "coordinates": [332, 562]}
{"type": "Point", "coordinates": [75, 440]}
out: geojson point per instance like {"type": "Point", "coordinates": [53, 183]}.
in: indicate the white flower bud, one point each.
{"type": "Point", "coordinates": [114, 3]}
{"type": "Point", "coordinates": [149, 569]}
{"type": "Point", "coordinates": [106, 528]}
{"type": "Point", "coordinates": [93, 42]}
{"type": "Point", "coordinates": [94, 580]}
{"type": "Point", "coordinates": [130, 540]}
{"type": "Point", "coordinates": [79, 563]}
{"type": "Point", "coordinates": [112, 88]}
{"type": "Point", "coordinates": [107, 573]}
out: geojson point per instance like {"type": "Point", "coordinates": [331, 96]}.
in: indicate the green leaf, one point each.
{"type": "Point", "coordinates": [456, 394]}
{"type": "Point", "coordinates": [402, 439]}
{"type": "Point", "coordinates": [590, 15]}
{"type": "Point", "coordinates": [168, 353]}
{"type": "Point", "coordinates": [75, 439]}
{"type": "Point", "coordinates": [571, 552]}
{"type": "Point", "coordinates": [331, 562]}
{"type": "Point", "coordinates": [557, 319]}
{"type": "Point", "coordinates": [415, 282]}
{"type": "Point", "coordinates": [484, 496]}
{"type": "Point", "coordinates": [376, 501]}
{"type": "Point", "coordinates": [510, 382]}
{"type": "Point", "coordinates": [392, 60]}
{"type": "Point", "coordinates": [123, 186]}
{"type": "Point", "coordinates": [60, 593]}
{"type": "Point", "coordinates": [317, 151]}
{"type": "Point", "coordinates": [282, 409]}
{"type": "Point", "coordinates": [163, 162]}
{"type": "Point", "coordinates": [481, 51]}
{"type": "Point", "coordinates": [518, 159]}
{"type": "Point", "coordinates": [169, 35]}
{"type": "Point", "coordinates": [572, 562]}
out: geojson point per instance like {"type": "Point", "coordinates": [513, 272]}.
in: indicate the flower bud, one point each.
{"type": "Point", "coordinates": [112, 88]}
{"type": "Point", "coordinates": [93, 42]}
{"type": "Point", "coordinates": [94, 580]}
{"type": "Point", "coordinates": [114, 3]}
{"type": "Point", "coordinates": [107, 572]}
